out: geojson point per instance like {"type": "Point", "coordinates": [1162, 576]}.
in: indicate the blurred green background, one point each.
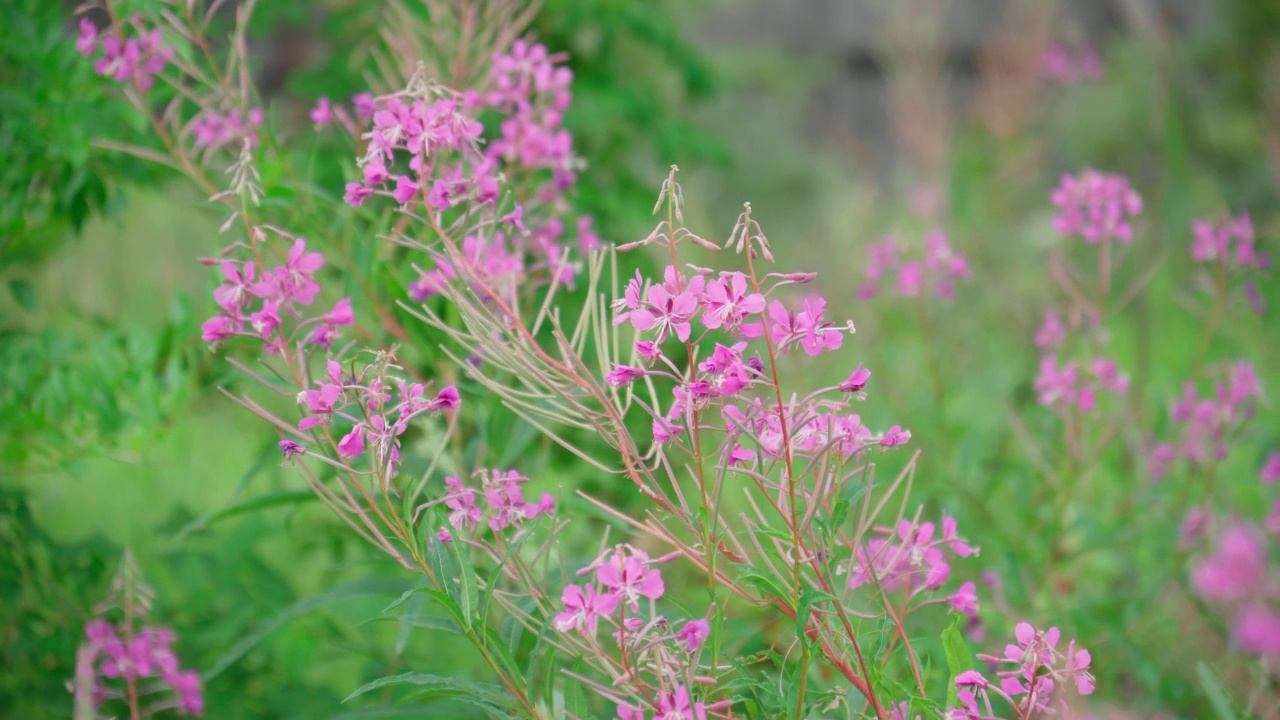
{"type": "Point", "coordinates": [113, 434]}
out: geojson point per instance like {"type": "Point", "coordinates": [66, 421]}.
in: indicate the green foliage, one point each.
{"type": "Point", "coordinates": [636, 79]}
{"type": "Point", "coordinates": [68, 394]}
{"type": "Point", "coordinates": [51, 110]}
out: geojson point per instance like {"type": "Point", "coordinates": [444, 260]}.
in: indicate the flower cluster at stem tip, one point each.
{"type": "Point", "coordinates": [147, 653]}
{"type": "Point", "coordinates": [1035, 668]}
{"type": "Point", "coordinates": [135, 60]}
{"type": "Point", "coordinates": [424, 149]}
{"type": "Point", "coordinates": [934, 274]}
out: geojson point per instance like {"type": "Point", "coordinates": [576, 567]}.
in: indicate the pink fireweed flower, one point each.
{"type": "Point", "coordinates": [1108, 376]}
{"type": "Point", "coordinates": [1270, 473]}
{"type": "Point", "coordinates": [235, 291]}
{"type": "Point", "coordinates": [958, 545]}
{"type": "Point", "coordinates": [965, 599]}
{"type": "Point", "coordinates": [295, 279]}
{"type": "Point", "coordinates": [187, 686]}
{"type": "Point", "coordinates": [352, 444]}
{"type": "Point", "coordinates": [583, 608]}
{"type": "Point", "coordinates": [447, 399]}
{"type": "Point", "coordinates": [1040, 666]}
{"type": "Point", "coordinates": [910, 279]}
{"type": "Point", "coordinates": [1231, 243]}
{"type": "Point", "coordinates": [784, 329]}
{"type": "Point", "coordinates": [320, 404]}
{"type": "Point", "coordinates": [220, 327]}
{"type": "Point", "coordinates": [488, 261]}
{"type": "Point", "coordinates": [1063, 65]}
{"type": "Point", "coordinates": [664, 430]}
{"type": "Point", "coordinates": [623, 375]}
{"type": "Point", "coordinates": [676, 705]}
{"type": "Point", "coordinates": [1193, 528]}
{"type": "Point", "coordinates": [291, 450]}
{"type": "Point", "coordinates": [1096, 206]}
{"type": "Point", "coordinates": [817, 336]}
{"type": "Point", "coordinates": [694, 633]}
{"type": "Point", "coordinates": [364, 105]}
{"type": "Point", "coordinates": [1052, 332]}
{"type": "Point", "coordinates": [356, 194]}
{"type": "Point", "coordinates": [631, 300]}
{"type": "Point", "coordinates": [666, 313]}
{"type": "Point", "coordinates": [266, 321]}
{"type": "Point", "coordinates": [87, 40]}
{"type": "Point", "coordinates": [626, 571]}
{"type": "Point", "coordinates": [587, 238]}
{"type": "Point", "coordinates": [509, 509]}
{"type": "Point", "coordinates": [648, 350]}
{"type": "Point", "coordinates": [405, 190]}
{"type": "Point", "coordinates": [461, 501]}
{"type": "Point", "coordinates": [909, 555]}
{"type": "Point", "coordinates": [340, 316]}
{"type": "Point", "coordinates": [374, 171]}
{"type": "Point", "coordinates": [881, 257]}
{"type": "Point", "coordinates": [630, 712]}
{"type": "Point", "coordinates": [727, 302]}
{"type": "Point", "coordinates": [516, 218]}
{"type": "Point", "coordinates": [973, 679]}
{"type": "Point", "coordinates": [322, 113]}
{"type": "Point", "coordinates": [895, 436]}
{"type": "Point", "coordinates": [856, 381]}
{"type": "Point", "coordinates": [1236, 569]}
{"type": "Point", "coordinates": [1257, 630]}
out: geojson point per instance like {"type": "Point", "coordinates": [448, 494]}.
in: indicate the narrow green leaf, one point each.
{"type": "Point", "coordinates": [430, 622]}
{"type": "Point", "coordinates": [575, 700]}
{"type": "Point", "coordinates": [1219, 698]}
{"type": "Point", "coordinates": [504, 658]}
{"type": "Point", "coordinates": [452, 607]}
{"type": "Point", "coordinates": [438, 686]}
{"type": "Point", "coordinates": [959, 657]}
{"type": "Point", "coordinates": [542, 673]}
{"type": "Point", "coordinates": [763, 582]}
{"type": "Point", "coordinates": [468, 587]}
{"type": "Point", "coordinates": [364, 587]}
{"type": "Point", "coordinates": [260, 503]}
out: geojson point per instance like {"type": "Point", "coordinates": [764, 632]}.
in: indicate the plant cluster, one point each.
{"type": "Point", "coordinates": [759, 496]}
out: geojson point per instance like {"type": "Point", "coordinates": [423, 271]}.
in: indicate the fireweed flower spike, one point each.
{"type": "Point", "coordinates": [931, 270]}
{"type": "Point", "coordinates": [1227, 250]}
{"type": "Point", "coordinates": [1076, 386]}
{"type": "Point", "coordinates": [913, 557]}
{"type": "Point", "coordinates": [147, 653]}
{"type": "Point", "coordinates": [129, 662]}
{"type": "Point", "coordinates": [1070, 66]}
{"type": "Point", "coordinates": [1237, 577]}
{"type": "Point", "coordinates": [1036, 667]}
{"type": "Point", "coordinates": [1231, 243]}
{"type": "Point", "coordinates": [131, 53]}
{"type": "Point", "coordinates": [1096, 206]}
{"type": "Point", "coordinates": [1203, 426]}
